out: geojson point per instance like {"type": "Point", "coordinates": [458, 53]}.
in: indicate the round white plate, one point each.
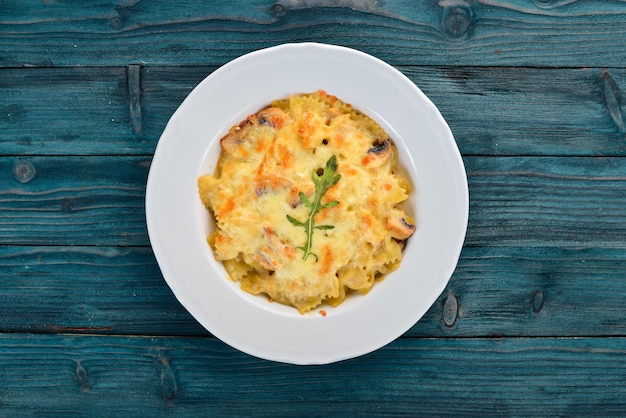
{"type": "Point", "coordinates": [178, 223]}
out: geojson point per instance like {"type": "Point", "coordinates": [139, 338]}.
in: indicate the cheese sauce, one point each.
{"type": "Point", "coordinates": [266, 162]}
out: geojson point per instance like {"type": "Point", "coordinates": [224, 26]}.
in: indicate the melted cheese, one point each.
{"type": "Point", "coordinates": [266, 161]}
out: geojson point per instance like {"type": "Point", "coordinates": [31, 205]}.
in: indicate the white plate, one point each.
{"type": "Point", "coordinates": [178, 223]}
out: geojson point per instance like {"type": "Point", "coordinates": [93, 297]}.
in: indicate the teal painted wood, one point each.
{"type": "Point", "coordinates": [515, 201]}
{"type": "Point", "coordinates": [531, 291]}
{"type": "Point", "coordinates": [73, 200]}
{"type": "Point", "coordinates": [511, 33]}
{"type": "Point", "coordinates": [523, 111]}
{"type": "Point", "coordinates": [82, 376]}
{"type": "Point", "coordinates": [531, 322]}
{"type": "Point", "coordinates": [496, 291]}
{"type": "Point", "coordinates": [532, 201]}
{"type": "Point", "coordinates": [77, 111]}
{"type": "Point", "coordinates": [114, 290]}
{"type": "Point", "coordinates": [163, 90]}
{"type": "Point", "coordinates": [530, 111]}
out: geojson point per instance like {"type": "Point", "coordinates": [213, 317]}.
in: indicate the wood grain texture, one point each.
{"type": "Point", "coordinates": [491, 111]}
{"type": "Point", "coordinates": [529, 111]}
{"type": "Point", "coordinates": [497, 291]}
{"type": "Point", "coordinates": [532, 320]}
{"type": "Point", "coordinates": [163, 90]}
{"type": "Point", "coordinates": [77, 376]}
{"type": "Point", "coordinates": [515, 201]}
{"type": "Point", "coordinates": [73, 200]}
{"type": "Point", "coordinates": [495, 32]}
{"type": "Point", "coordinates": [531, 201]}
{"type": "Point", "coordinates": [78, 111]}
{"type": "Point", "coordinates": [113, 290]}
{"type": "Point", "coordinates": [531, 291]}
{"type": "Point", "coordinates": [523, 111]}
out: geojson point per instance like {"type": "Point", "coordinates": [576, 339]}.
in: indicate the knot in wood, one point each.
{"type": "Point", "coordinates": [537, 301]}
{"type": "Point", "coordinates": [23, 171]}
{"type": "Point", "coordinates": [278, 10]}
{"type": "Point", "coordinates": [457, 20]}
{"type": "Point", "coordinates": [450, 310]}
{"type": "Point", "coordinates": [115, 23]}
{"type": "Point", "coordinates": [66, 204]}
{"type": "Point", "coordinates": [82, 378]}
{"type": "Point", "coordinates": [611, 95]}
{"type": "Point", "coordinates": [169, 386]}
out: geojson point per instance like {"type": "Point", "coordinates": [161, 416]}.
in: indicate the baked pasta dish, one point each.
{"type": "Point", "coordinates": [307, 202]}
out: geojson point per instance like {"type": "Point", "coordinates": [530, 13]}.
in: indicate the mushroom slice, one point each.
{"type": "Point", "coordinates": [379, 154]}
{"type": "Point", "coordinates": [400, 226]}
{"type": "Point", "coordinates": [232, 142]}
{"type": "Point", "coordinates": [272, 117]}
{"type": "Point", "coordinates": [275, 254]}
{"type": "Point", "coordinates": [272, 184]}
{"type": "Point", "coordinates": [240, 141]}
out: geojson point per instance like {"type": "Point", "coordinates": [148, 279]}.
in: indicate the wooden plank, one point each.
{"type": "Point", "coordinates": [497, 291]}
{"type": "Point", "coordinates": [532, 201]}
{"type": "Point", "coordinates": [112, 111]}
{"type": "Point", "coordinates": [529, 111]}
{"type": "Point", "coordinates": [73, 200]}
{"type": "Point", "coordinates": [515, 201]}
{"type": "Point", "coordinates": [114, 290]}
{"type": "Point", "coordinates": [498, 32]}
{"type": "Point", "coordinates": [163, 90]}
{"type": "Point", "coordinates": [80, 376]}
{"type": "Point", "coordinates": [75, 111]}
{"type": "Point", "coordinates": [525, 111]}
{"type": "Point", "coordinates": [531, 291]}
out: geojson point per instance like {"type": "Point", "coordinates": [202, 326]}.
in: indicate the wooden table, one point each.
{"type": "Point", "coordinates": [532, 321]}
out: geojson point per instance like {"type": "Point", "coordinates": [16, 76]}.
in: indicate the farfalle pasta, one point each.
{"type": "Point", "coordinates": [263, 197]}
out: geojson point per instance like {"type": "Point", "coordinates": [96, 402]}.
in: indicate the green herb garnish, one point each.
{"type": "Point", "coordinates": [328, 179]}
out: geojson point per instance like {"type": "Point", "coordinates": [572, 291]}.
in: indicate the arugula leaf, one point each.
{"type": "Point", "coordinates": [328, 179]}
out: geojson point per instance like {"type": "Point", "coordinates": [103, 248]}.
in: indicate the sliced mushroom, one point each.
{"type": "Point", "coordinates": [268, 184]}
{"type": "Point", "coordinates": [238, 143]}
{"type": "Point", "coordinates": [265, 260]}
{"type": "Point", "coordinates": [233, 140]}
{"type": "Point", "coordinates": [271, 184]}
{"type": "Point", "coordinates": [401, 227]}
{"type": "Point", "coordinates": [381, 146]}
{"type": "Point", "coordinates": [379, 154]}
{"type": "Point", "coordinates": [332, 113]}
{"type": "Point", "coordinates": [275, 254]}
{"type": "Point", "coordinates": [272, 117]}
